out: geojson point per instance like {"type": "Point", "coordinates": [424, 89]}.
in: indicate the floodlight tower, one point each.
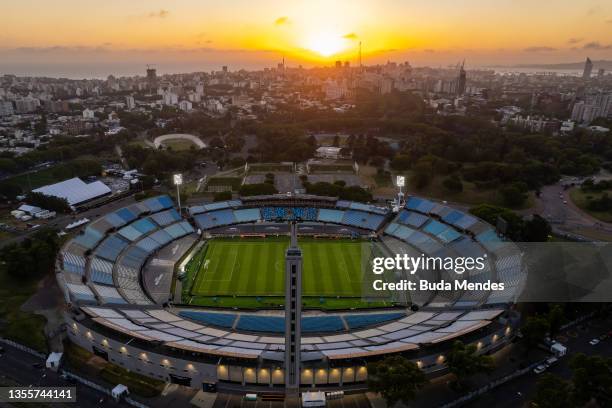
{"type": "Point", "coordinates": [400, 181]}
{"type": "Point", "coordinates": [178, 180]}
{"type": "Point", "coordinates": [293, 314]}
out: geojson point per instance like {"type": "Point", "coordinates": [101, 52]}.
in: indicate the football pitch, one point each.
{"type": "Point", "coordinates": [256, 267]}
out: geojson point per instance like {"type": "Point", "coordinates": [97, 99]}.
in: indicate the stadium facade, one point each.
{"type": "Point", "coordinates": [124, 304]}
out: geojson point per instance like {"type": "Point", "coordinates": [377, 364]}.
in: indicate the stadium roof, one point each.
{"type": "Point", "coordinates": [75, 190]}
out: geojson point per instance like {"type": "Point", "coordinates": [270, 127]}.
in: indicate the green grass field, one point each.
{"type": "Point", "coordinates": [250, 273]}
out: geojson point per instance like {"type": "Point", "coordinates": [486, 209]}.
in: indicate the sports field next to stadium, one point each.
{"type": "Point", "coordinates": [255, 267]}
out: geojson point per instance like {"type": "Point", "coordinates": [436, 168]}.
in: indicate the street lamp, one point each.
{"type": "Point", "coordinates": [178, 180]}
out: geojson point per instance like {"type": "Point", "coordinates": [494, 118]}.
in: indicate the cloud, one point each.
{"type": "Point", "coordinates": [594, 45]}
{"type": "Point", "coordinates": [574, 40]}
{"type": "Point", "coordinates": [281, 21]}
{"type": "Point", "coordinates": [159, 14]}
{"type": "Point", "coordinates": [609, 21]}
{"type": "Point", "coordinates": [539, 49]}
{"type": "Point", "coordinates": [350, 36]}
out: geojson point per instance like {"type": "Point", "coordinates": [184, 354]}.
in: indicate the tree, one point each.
{"type": "Point", "coordinates": [536, 230]}
{"type": "Point", "coordinates": [592, 379]}
{"type": "Point", "coordinates": [257, 189]}
{"type": "Point", "coordinates": [513, 195]}
{"type": "Point", "coordinates": [555, 318]}
{"type": "Point", "coordinates": [217, 143]}
{"type": "Point", "coordinates": [47, 202]}
{"type": "Point", "coordinates": [453, 184]}
{"type": "Point", "coordinates": [10, 190]}
{"type": "Point", "coordinates": [491, 213]}
{"type": "Point", "coordinates": [401, 162]}
{"type": "Point", "coordinates": [553, 392]}
{"type": "Point", "coordinates": [222, 196]}
{"type": "Point", "coordinates": [33, 257]}
{"type": "Point", "coordinates": [463, 361]}
{"type": "Point", "coordinates": [534, 330]}
{"type": "Point", "coordinates": [422, 175]}
{"type": "Point", "coordinates": [396, 378]}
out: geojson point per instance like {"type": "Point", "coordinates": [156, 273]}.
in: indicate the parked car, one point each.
{"type": "Point", "coordinates": [550, 361]}
{"type": "Point", "coordinates": [539, 369]}
{"type": "Point", "coordinates": [594, 342]}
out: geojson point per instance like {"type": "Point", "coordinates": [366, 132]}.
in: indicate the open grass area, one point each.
{"type": "Point", "coordinates": [179, 144]}
{"type": "Point", "coordinates": [138, 384]}
{"type": "Point", "coordinates": [23, 327]}
{"type": "Point", "coordinates": [249, 273]}
{"type": "Point", "coordinates": [581, 199]}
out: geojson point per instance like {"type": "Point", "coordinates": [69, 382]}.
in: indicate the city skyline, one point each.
{"type": "Point", "coordinates": [181, 36]}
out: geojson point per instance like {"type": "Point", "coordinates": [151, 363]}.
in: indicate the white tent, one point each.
{"type": "Point", "coordinates": [54, 360]}
{"type": "Point", "coordinates": [119, 391]}
{"type": "Point", "coordinates": [75, 190]}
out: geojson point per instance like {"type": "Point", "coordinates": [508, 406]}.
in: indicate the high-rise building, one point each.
{"type": "Point", "coordinates": [152, 78]}
{"type": "Point", "coordinates": [293, 314]}
{"type": "Point", "coordinates": [130, 103]}
{"type": "Point", "coordinates": [588, 68]}
{"type": "Point", "coordinates": [461, 80]}
{"type": "Point", "coordinates": [6, 108]}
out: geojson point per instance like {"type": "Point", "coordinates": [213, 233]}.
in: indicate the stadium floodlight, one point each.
{"type": "Point", "coordinates": [178, 180]}
{"type": "Point", "coordinates": [401, 181]}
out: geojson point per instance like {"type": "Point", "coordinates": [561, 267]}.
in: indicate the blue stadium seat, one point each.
{"type": "Point", "coordinates": [333, 216]}
{"type": "Point", "coordinates": [363, 320]}
{"type": "Point", "coordinates": [101, 271]}
{"type": "Point", "coordinates": [273, 324]}
{"type": "Point", "coordinates": [452, 217]}
{"type": "Point", "coordinates": [449, 235]}
{"type": "Point", "coordinates": [434, 227]}
{"type": "Point", "coordinates": [247, 215]}
{"type": "Point", "coordinates": [216, 319]}
{"type": "Point", "coordinates": [289, 213]}
{"type": "Point", "coordinates": [268, 324]}
{"type": "Point", "coordinates": [90, 238]}
{"type": "Point", "coordinates": [126, 215]}
{"type": "Point", "coordinates": [111, 247]}
{"type": "Point", "coordinates": [412, 219]}
{"type": "Point", "coordinates": [144, 226]}
{"type": "Point", "coordinates": [362, 219]}
{"type": "Point", "coordinates": [322, 324]}
{"type": "Point", "coordinates": [166, 217]}
{"type": "Point", "coordinates": [215, 219]}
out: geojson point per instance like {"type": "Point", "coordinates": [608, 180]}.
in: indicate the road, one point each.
{"type": "Point", "coordinates": [519, 392]}
{"type": "Point", "coordinates": [556, 206]}
{"type": "Point", "coordinates": [18, 366]}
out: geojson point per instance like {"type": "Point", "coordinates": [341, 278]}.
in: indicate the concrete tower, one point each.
{"type": "Point", "coordinates": [588, 67]}
{"type": "Point", "coordinates": [293, 313]}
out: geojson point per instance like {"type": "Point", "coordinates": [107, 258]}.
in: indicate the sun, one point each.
{"type": "Point", "coordinates": [326, 43]}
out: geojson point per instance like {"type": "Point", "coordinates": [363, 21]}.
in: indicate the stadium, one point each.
{"type": "Point", "coordinates": [198, 299]}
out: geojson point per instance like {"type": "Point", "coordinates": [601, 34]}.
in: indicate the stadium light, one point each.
{"type": "Point", "coordinates": [178, 180]}
{"type": "Point", "coordinates": [400, 181]}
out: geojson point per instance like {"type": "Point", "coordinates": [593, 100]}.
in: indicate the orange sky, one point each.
{"type": "Point", "coordinates": [306, 32]}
